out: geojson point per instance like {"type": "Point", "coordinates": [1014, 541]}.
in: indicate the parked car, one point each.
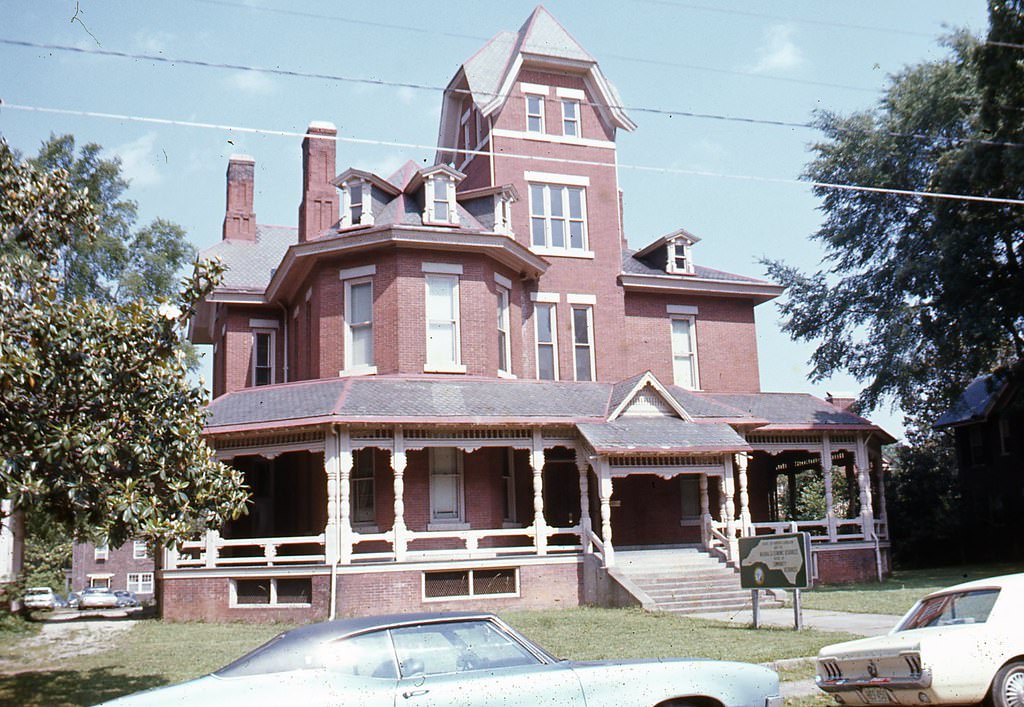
{"type": "Point", "coordinates": [59, 602]}
{"type": "Point", "coordinates": [97, 598]}
{"type": "Point", "coordinates": [454, 659]}
{"type": "Point", "coordinates": [126, 599]}
{"type": "Point", "coordinates": [39, 598]}
{"type": "Point", "coordinates": [956, 646]}
{"type": "Point", "coordinates": [73, 600]}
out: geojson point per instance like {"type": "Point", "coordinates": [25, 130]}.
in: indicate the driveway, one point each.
{"type": "Point", "coordinates": [69, 633]}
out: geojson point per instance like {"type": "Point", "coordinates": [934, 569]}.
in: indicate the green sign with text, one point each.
{"type": "Point", "coordinates": [775, 561]}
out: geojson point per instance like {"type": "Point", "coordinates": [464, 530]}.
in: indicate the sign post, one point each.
{"type": "Point", "coordinates": [776, 562]}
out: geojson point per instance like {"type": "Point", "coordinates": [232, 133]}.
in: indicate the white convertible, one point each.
{"type": "Point", "coordinates": [961, 645]}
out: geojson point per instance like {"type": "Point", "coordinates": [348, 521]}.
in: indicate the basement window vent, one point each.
{"type": "Point", "coordinates": [466, 584]}
{"type": "Point", "coordinates": [272, 591]}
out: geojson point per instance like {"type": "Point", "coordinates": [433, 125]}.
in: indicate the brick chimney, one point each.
{"type": "Point", "coordinates": [319, 207]}
{"type": "Point", "coordinates": [239, 217]}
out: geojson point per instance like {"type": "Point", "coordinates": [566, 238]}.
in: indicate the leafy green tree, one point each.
{"type": "Point", "coordinates": [99, 425]}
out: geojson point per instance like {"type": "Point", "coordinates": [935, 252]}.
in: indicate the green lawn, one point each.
{"type": "Point", "coordinates": [156, 653]}
{"type": "Point", "coordinates": [898, 593]}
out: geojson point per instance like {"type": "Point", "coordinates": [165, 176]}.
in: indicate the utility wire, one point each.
{"type": "Point", "coordinates": [293, 73]}
{"type": "Point", "coordinates": [556, 160]}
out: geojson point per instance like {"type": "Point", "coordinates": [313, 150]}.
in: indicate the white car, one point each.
{"type": "Point", "coordinates": [39, 598]}
{"type": "Point", "coordinates": [960, 645]}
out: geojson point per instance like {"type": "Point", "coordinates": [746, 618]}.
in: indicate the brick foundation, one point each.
{"type": "Point", "coordinates": [849, 565]}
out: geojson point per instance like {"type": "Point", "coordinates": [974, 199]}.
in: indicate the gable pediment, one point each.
{"type": "Point", "coordinates": [646, 397]}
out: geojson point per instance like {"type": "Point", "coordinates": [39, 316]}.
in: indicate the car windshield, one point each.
{"type": "Point", "coordinates": [32, 592]}
{"type": "Point", "coordinates": [969, 607]}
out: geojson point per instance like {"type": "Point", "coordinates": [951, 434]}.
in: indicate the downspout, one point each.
{"type": "Point", "coordinates": [284, 323]}
{"type": "Point", "coordinates": [333, 612]}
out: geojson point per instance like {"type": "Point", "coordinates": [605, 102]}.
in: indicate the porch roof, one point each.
{"type": "Point", "coordinates": [661, 435]}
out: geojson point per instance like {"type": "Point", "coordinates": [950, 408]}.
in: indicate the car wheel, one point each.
{"type": "Point", "coordinates": [1008, 686]}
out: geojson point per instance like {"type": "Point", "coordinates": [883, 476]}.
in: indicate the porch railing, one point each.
{"type": "Point", "coordinates": [215, 551]}
{"type": "Point", "coordinates": [846, 529]}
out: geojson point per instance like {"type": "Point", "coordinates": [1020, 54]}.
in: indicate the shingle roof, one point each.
{"type": "Point", "coordinates": [633, 266]}
{"type": "Point", "coordinates": [660, 434]}
{"type": "Point", "coordinates": [799, 409]}
{"type": "Point", "coordinates": [251, 264]}
{"type": "Point", "coordinates": [404, 210]}
{"type": "Point", "coordinates": [976, 401]}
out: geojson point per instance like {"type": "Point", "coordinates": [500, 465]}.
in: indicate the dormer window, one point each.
{"type": "Point", "coordinates": [503, 213]}
{"type": "Point", "coordinates": [439, 200]}
{"type": "Point", "coordinates": [679, 259]}
{"type": "Point", "coordinates": [356, 209]}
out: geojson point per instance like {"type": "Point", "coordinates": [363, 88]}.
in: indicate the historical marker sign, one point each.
{"type": "Point", "coordinates": [775, 561]}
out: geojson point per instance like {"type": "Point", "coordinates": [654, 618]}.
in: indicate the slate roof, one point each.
{"type": "Point", "coordinates": [976, 402]}
{"type": "Point", "coordinates": [788, 409]}
{"type": "Point", "coordinates": [251, 264]}
{"type": "Point", "coordinates": [633, 266]}
{"type": "Point", "coordinates": [660, 434]}
{"type": "Point", "coordinates": [403, 210]}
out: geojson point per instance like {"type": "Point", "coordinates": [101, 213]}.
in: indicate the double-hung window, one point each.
{"type": "Point", "coordinates": [504, 335]}
{"type": "Point", "coordinates": [534, 113]}
{"type": "Point", "coordinates": [363, 506]}
{"type": "Point", "coordinates": [140, 582]}
{"type": "Point", "coordinates": [355, 203]}
{"type": "Point", "coordinates": [358, 324]}
{"type": "Point", "coordinates": [140, 551]}
{"type": "Point", "coordinates": [558, 217]}
{"type": "Point", "coordinates": [262, 357]}
{"type": "Point", "coordinates": [684, 352]}
{"type": "Point", "coordinates": [445, 485]}
{"type": "Point", "coordinates": [100, 552]}
{"type": "Point", "coordinates": [583, 342]}
{"type": "Point", "coordinates": [570, 117]}
{"type": "Point", "coordinates": [547, 343]}
{"type": "Point", "coordinates": [442, 309]}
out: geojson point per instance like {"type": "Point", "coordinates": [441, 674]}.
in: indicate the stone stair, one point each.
{"type": "Point", "coordinates": [684, 581]}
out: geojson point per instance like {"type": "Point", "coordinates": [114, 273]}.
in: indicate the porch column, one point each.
{"type": "Point", "coordinates": [883, 513]}
{"type": "Point", "coordinates": [540, 527]}
{"type": "Point", "coordinates": [826, 474]}
{"type": "Point", "coordinates": [332, 467]}
{"type": "Point", "coordinates": [346, 460]}
{"type": "Point", "coordinates": [398, 464]}
{"type": "Point", "coordinates": [860, 467]}
{"type": "Point", "coordinates": [729, 486]}
{"type": "Point", "coordinates": [705, 511]}
{"type": "Point", "coordinates": [604, 489]}
{"type": "Point", "coordinates": [741, 461]}
{"type": "Point", "coordinates": [583, 465]}
{"type": "Point", "coordinates": [210, 551]}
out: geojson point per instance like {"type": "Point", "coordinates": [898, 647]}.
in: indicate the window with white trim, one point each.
{"type": "Point", "coordinates": [140, 550]}
{"type": "Point", "coordinates": [356, 207]}
{"type": "Point", "coordinates": [445, 485]}
{"type": "Point", "coordinates": [534, 113]}
{"type": "Point", "coordinates": [101, 552]}
{"type": "Point", "coordinates": [583, 342]}
{"type": "Point", "coordinates": [363, 503]}
{"type": "Point", "coordinates": [263, 356]}
{"type": "Point", "coordinates": [504, 333]}
{"type": "Point", "coordinates": [503, 214]}
{"type": "Point", "coordinates": [358, 324]}
{"type": "Point", "coordinates": [103, 581]}
{"type": "Point", "coordinates": [140, 582]}
{"type": "Point", "coordinates": [684, 352]}
{"type": "Point", "coordinates": [679, 260]}
{"type": "Point", "coordinates": [570, 118]}
{"type": "Point", "coordinates": [558, 217]}
{"type": "Point", "coordinates": [439, 200]}
{"type": "Point", "coordinates": [544, 318]}
{"type": "Point", "coordinates": [443, 347]}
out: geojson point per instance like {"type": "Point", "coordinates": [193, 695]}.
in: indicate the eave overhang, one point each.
{"type": "Point", "coordinates": [759, 292]}
{"type": "Point", "coordinates": [300, 257]}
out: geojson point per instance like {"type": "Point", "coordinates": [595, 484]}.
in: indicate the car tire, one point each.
{"type": "Point", "coordinates": [1008, 686]}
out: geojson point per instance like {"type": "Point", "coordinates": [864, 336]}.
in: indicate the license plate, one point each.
{"type": "Point", "coordinates": [877, 696]}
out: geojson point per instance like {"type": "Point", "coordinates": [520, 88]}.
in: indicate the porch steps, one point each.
{"type": "Point", "coordinates": [684, 581]}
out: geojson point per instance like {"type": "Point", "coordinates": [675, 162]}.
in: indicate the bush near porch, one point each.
{"type": "Point", "coordinates": [154, 653]}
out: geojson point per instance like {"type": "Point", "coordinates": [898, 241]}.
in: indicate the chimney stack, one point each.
{"type": "Point", "coordinates": [239, 217]}
{"type": "Point", "coordinates": [319, 207]}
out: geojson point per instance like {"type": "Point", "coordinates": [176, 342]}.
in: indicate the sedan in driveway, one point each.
{"type": "Point", "coordinates": [40, 598]}
{"type": "Point", "coordinates": [428, 660]}
{"type": "Point", "coordinates": [960, 645]}
{"type": "Point", "coordinates": [97, 598]}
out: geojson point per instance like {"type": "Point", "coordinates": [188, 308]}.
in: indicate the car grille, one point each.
{"type": "Point", "coordinates": [913, 661]}
{"type": "Point", "coordinates": [831, 669]}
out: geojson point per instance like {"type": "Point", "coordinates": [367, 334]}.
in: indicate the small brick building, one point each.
{"type": "Point", "coordinates": [456, 386]}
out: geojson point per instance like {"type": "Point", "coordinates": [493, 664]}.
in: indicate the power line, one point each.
{"type": "Point", "coordinates": [556, 160]}
{"type": "Point", "coordinates": [293, 73]}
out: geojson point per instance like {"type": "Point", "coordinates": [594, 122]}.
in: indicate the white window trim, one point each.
{"type": "Point", "coordinates": [673, 253]}
{"type": "Point", "coordinates": [428, 201]}
{"type": "Point", "coordinates": [349, 368]}
{"type": "Point", "coordinates": [352, 273]}
{"type": "Point", "coordinates": [264, 324]}
{"type": "Point", "coordinates": [682, 309]}
{"type": "Point", "coordinates": [503, 215]}
{"type": "Point", "coordinates": [567, 249]}
{"type": "Point", "coordinates": [503, 281]}
{"type": "Point", "coordinates": [101, 552]}
{"type": "Point", "coordinates": [590, 344]}
{"type": "Point", "coordinates": [527, 98]}
{"type": "Point", "coordinates": [455, 366]}
{"type": "Point", "coordinates": [441, 268]}
{"type": "Point", "coordinates": [364, 525]}
{"type": "Point", "coordinates": [564, 92]}
{"type": "Point", "coordinates": [577, 121]}
{"type": "Point", "coordinates": [272, 333]}
{"type": "Point", "coordinates": [504, 326]}
{"type": "Point", "coordinates": [560, 139]}
{"type": "Point", "coordinates": [534, 88]}
{"type": "Point", "coordinates": [693, 348]}
{"type": "Point", "coordinates": [554, 338]}
{"type": "Point", "coordinates": [546, 297]}
{"type": "Point", "coordinates": [136, 544]}
{"type": "Point", "coordinates": [140, 582]}
{"type": "Point", "coordinates": [366, 215]}
{"type": "Point", "coordinates": [568, 180]}
{"type": "Point", "coordinates": [580, 299]}
{"type": "Point", "coordinates": [460, 493]}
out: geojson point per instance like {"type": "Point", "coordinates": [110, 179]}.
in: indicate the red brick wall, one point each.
{"type": "Point", "coordinates": [208, 599]}
{"type": "Point", "coordinates": [119, 562]}
{"type": "Point", "coordinates": [847, 565]}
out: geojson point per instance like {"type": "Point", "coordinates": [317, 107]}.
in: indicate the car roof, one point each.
{"type": "Point", "coordinates": [344, 627]}
{"type": "Point", "coordinates": [1006, 581]}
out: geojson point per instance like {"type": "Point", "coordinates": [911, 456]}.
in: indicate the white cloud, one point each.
{"type": "Point", "coordinates": [778, 52]}
{"type": "Point", "coordinates": [252, 82]}
{"type": "Point", "coordinates": [139, 160]}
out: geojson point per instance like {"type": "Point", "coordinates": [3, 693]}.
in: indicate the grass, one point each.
{"type": "Point", "coordinates": [155, 653]}
{"type": "Point", "coordinates": [898, 593]}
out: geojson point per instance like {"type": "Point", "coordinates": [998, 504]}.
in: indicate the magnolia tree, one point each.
{"type": "Point", "coordinates": [100, 428]}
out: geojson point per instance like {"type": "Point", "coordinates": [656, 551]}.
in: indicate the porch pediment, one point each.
{"type": "Point", "coordinates": [644, 396]}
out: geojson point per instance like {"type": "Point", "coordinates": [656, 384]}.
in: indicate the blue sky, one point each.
{"type": "Point", "coordinates": [775, 61]}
